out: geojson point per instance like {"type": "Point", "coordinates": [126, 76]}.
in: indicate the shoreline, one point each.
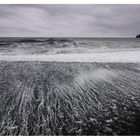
{"type": "Point", "coordinates": [111, 56]}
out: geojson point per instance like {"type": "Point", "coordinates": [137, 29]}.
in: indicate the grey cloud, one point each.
{"type": "Point", "coordinates": [70, 20]}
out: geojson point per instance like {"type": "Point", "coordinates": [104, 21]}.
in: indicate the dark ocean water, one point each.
{"type": "Point", "coordinates": [64, 45]}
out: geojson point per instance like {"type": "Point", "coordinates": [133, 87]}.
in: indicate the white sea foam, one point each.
{"type": "Point", "coordinates": [113, 56]}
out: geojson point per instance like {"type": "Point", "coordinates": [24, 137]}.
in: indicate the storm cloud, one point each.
{"type": "Point", "coordinates": [69, 20]}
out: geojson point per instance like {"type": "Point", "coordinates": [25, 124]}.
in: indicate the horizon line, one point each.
{"type": "Point", "coordinates": [65, 37]}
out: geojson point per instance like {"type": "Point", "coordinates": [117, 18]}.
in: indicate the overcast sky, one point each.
{"type": "Point", "coordinates": [69, 20]}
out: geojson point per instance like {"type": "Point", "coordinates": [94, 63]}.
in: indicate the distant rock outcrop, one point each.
{"type": "Point", "coordinates": [138, 36]}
